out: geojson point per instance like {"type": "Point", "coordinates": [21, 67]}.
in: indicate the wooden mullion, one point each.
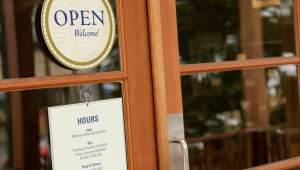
{"type": "Point", "coordinates": [237, 65]}
{"type": "Point", "coordinates": [58, 81]}
{"type": "Point", "coordinates": [125, 86]}
{"type": "Point", "coordinates": [121, 29]}
{"type": "Point", "coordinates": [128, 130]}
{"type": "Point", "coordinates": [286, 164]}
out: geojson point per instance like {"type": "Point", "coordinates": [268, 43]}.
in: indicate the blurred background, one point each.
{"type": "Point", "coordinates": [245, 118]}
{"type": "Point", "coordinates": [227, 30]}
{"type": "Point", "coordinates": [240, 119]}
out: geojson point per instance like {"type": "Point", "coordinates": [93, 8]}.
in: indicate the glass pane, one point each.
{"type": "Point", "coordinates": [32, 62]}
{"type": "Point", "coordinates": [27, 108]}
{"type": "Point", "coordinates": [227, 30]}
{"type": "Point", "coordinates": [241, 119]}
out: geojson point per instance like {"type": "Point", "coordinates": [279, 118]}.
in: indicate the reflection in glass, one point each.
{"type": "Point", "coordinates": [226, 30]}
{"type": "Point", "coordinates": [2, 40]}
{"type": "Point", "coordinates": [241, 119]}
{"type": "Point", "coordinates": [23, 125]}
{"type": "Point", "coordinates": [5, 136]}
{"type": "Point", "coordinates": [24, 58]}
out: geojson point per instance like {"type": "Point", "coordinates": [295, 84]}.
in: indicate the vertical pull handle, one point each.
{"type": "Point", "coordinates": [185, 152]}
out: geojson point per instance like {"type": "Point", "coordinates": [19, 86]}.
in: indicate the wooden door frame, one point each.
{"type": "Point", "coordinates": [146, 132]}
{"type": "Point", "coordinates": [135, 75]}
{"type": "Point", "coordinates": [173, 70]}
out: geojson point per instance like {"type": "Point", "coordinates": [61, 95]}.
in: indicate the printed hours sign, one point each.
{"type": "Point", "coordinates": [88, 137]}
{"type": "Point", "coordinates": [76, 34]}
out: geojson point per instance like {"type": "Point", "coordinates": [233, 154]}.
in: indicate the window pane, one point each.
{"type": "Point", "coordinates": [241, 119]}
{"type": "Point", "coordinates": [227, 30]}
{"type": "Point", "coordinates": [32, 62]}
{"type": "Point", "coordinates": [27, 108]}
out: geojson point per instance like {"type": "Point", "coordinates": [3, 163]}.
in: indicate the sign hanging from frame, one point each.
{"type": "Point", "coordinates": [89, 136]}
{"type": "Point", "coordinates": [76, 34]}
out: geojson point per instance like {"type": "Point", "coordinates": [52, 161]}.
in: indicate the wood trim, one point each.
{"type": "Point", "coordinates": [159, 86]}
{"type": "Point", "coordinates": [122, 43]}
{"type": "Point", "coordinates": [230, 134]}
{"type": "Point", "coordinates": [171, 56]}
{"type": "Point", "coordinates": [125, 87]}
{"type": "Point", "coordinates": [140, 89]}
{"type": "Point", "coordinates": [127, 125]}
{"type": "Point", "coordinates": [237, 65]}
{"type": "Point", "coordinates": [57, 81]}
{"type": "Point", "coordinates": [289, 163]}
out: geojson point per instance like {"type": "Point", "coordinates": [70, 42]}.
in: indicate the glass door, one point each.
{"type": "Point", "coordinates": [30, 81]}
{"type": "Point", "coordinates": [235, 67]}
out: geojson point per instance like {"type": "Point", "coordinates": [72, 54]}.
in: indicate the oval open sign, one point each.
{"type": "Point", "coordinates": [76, 34]}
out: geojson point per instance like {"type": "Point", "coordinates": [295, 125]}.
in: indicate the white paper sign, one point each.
{"type": "Point", "coordinates": [88, 137]}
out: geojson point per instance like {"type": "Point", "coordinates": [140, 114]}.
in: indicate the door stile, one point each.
{"type": "Point", "coordinates": [121, 28]}
{"type": "Point", "coordinates": [138, 89]}
{"type": "Point", "coordinates": [171, 56]}
{"type": "Point", "coordinates": [128, 130]}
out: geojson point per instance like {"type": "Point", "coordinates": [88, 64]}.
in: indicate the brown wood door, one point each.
{"type": "Point", "coordinates": [167, 46]}
{"type": "Point", "coordinates": [135, 76]}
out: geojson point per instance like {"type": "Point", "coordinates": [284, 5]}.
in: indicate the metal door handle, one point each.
{"type": "Point", "coordinates": [184, 152]}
